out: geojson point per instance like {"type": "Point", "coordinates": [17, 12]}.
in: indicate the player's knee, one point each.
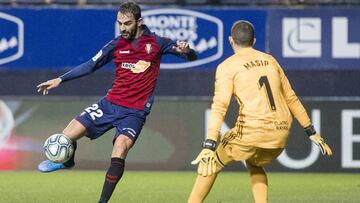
{"type": "Point", "coordinates": [75, 130]}
{"type": "Point", "coordinates": [120, 150]}
{"type": "Point", "coordinates": [121, 146]}
{"type": "Point", "coordinates": [254, 168]}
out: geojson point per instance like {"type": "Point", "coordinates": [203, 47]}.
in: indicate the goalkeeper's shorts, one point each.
{"type": "Point", "coordinates": [232, 150]}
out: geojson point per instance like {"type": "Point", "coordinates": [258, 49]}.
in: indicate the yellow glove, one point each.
{"type": "Point", "coordinates": [206, 161]}
{"type": "Point", "coordinates": [320, 142]}
{"type": "Point", "coordinates": [206, 158]}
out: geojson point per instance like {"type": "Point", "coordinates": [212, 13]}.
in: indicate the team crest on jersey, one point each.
{"type": "Point", "coordinates": [138, 67]}
{"type": "Point", "coordinates": [148, 48]}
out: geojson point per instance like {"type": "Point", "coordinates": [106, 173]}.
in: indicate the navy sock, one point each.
{"type": "Point", "coordinates": [112, 177]}
{"type": "Point", "coordinates": [71, 161]}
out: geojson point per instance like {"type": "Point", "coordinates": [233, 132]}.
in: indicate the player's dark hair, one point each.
{"type": "Point", "coordinates": [242, 33]}
{"type": "Point", "coordinates": [131, 7]}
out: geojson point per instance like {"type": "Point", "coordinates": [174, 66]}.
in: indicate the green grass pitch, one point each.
{"type": "Point", "coordinates": [174, 187]}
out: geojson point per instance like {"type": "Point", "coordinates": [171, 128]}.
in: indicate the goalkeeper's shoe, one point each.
{"type": "Point", "coordinates": [49, 166]}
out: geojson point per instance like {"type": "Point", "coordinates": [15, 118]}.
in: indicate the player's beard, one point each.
{"type": "Point", "coordinates": [130, 35]}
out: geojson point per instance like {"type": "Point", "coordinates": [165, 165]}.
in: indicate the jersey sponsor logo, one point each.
{"type": "Point", "coordinates": [11, 38]}
{"type": "Point", "coordinates": [127, 65]}
{"type": "Point", "coordinates": [124, 52]}
{"type": "Point", "coordinates": [301, 37]}
{"type": "Point", "coordinates": [138, 67]}
{"type": "Point", "coordinates": [148, 48]}
{"type": "Point", "coordinates": [190, 26]}
{"type": "Point", "coordinates": [97, 56]}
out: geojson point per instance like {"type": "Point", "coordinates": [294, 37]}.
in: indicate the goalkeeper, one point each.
{"type": "Point", "coordinates": [266, 105]}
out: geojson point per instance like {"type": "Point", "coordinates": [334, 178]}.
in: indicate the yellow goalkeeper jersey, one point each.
{"type": "Point", "coordinates": [265, 97]}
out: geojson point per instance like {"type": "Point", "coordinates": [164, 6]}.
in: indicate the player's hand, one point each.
{"type": "Point", "coordinates": [48, 85]}
{"type": "Point", "coordinates": [182, 47]}
{"type": "Point", "coordinates": [206, 161]}
{"type": "Point", "coordinates": [320, 142]}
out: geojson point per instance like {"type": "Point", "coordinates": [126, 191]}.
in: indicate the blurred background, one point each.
{"type": "Point", "coordinates": [317, 42]}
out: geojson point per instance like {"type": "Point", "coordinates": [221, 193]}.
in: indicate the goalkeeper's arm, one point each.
{"type": "Point", "coordinates": [318, 140]}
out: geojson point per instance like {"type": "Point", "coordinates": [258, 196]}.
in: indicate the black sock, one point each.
{"type": "Point", "coordinates": [71, 161]}
{"type": "Point", "coordinates": [112, 177]}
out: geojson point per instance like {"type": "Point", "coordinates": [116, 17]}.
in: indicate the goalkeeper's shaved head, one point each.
{"type": "Point", "coordinates": [242, 33]}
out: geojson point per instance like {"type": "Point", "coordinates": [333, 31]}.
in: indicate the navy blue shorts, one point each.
{"type": "Point", "coordinates": [104, 115]}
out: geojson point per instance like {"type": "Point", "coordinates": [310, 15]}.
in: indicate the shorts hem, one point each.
{"type": "Point", "coordinates": [88, 132]}
{"type": "Point", "coordinates": [124, 134]}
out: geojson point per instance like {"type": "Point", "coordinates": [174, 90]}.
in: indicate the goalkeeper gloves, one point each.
{"type": "Point", "coordinates": [318, 140]}
{"type": "Point", "coordinates": [206, 159]}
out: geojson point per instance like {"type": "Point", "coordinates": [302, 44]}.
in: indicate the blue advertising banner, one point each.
{"type": "Point", "coordinates": [54, 38]}
{"type": "Point", "coordinates": [61, 38]}
{"type": "Point", "coordinates": [308, 39]}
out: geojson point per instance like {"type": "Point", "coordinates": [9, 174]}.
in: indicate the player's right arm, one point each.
{"type": "Point", "coordinates": [222, 96]}
{"type": "Point", "coordinates": [298, 110]}
{"type": "Point", "coordinates": [105, 55]}
{"type": "Point", "coordinates": [224, 86]}
{"type": "Point", "coordinates": [48, 85]}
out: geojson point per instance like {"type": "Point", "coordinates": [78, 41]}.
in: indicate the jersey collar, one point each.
{"type": "Point", "coordinates": [146, 30]}
{"type": "Point", "coordinates": [245, 51]}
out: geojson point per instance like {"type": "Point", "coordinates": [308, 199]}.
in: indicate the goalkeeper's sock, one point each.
{"type": "Point", "coordinates": [113, 176]}
{"type": "Point", "coordinates": [71, 161]}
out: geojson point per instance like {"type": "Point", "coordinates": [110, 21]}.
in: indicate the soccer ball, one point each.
{"type": "Point", "coordinates": [58, 148]}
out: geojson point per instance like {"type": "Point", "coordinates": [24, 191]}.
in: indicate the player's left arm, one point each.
{"type": "Point", "coordinates": [318, 140]}
{"type": "Point", "coordinates": [298, 110]}
{"type": "Point", "coordinates": [178, 48]}
{"type": "Point", "coordinates": [223, 91]}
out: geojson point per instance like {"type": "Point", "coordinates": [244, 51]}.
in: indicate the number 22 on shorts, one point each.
{"type": "Point", "coordinates": [94, 111]}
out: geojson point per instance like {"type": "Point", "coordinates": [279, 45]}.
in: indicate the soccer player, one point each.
{"type": "Point", "coordinates": [136, 55]}
{"type": "Point", "coordinates": [266, 104]}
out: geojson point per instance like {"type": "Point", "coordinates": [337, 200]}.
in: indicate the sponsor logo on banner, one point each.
{"type": "Point", "coordinates": [341, 47]}
{"type": "Point", "coordinates": [301, 37]}
{"type": "Point", "coordinates": [11, 38]}
{"type": "Point", "coordinates": [203, 32]}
